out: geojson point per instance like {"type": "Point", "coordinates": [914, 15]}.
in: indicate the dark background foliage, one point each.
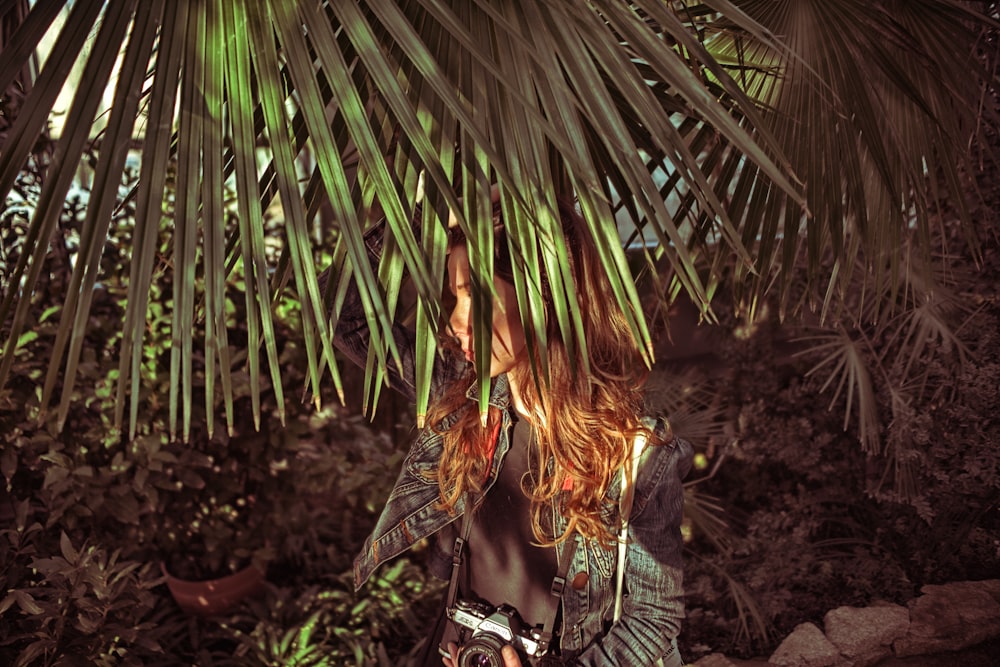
{"type": "Point", "coordinates": [791, 512]}
{"type": "Point", "coordinates": [817, 522]}
{"type": "Point", "coordinates": [804, 519]}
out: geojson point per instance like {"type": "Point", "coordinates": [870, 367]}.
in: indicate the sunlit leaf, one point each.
{"type": "Point", "coordinates": [68, 153]}
{"type": "Point", "coordinates": [732, 141]}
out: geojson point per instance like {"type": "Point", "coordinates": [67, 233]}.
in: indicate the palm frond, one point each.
{"type": "Point", "coordinates": [691, 403]}
{"type": "Point", "coordinates": [692, 124]}
{"type": "Point", "coordinates": [708, 518]}
{"type": "Point", "coordinates": [752, 623]}
{"type": "Point", "coordinates": [107, 177]}
{"type": "Point", "coordinates": [156, 155]}
{"type": "Point", "coordinates": [68, 150]}
{"type": "Point", "coordinates": [868, 108]}
{"type": "Point", "coordinates": [849, 360]}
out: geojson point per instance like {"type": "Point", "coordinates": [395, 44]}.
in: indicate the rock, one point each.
{"type": "Point", "coordinates": [951, 624]}
{"type": "Point", "coordinates": [951, 617]}
{"type": "Point", "coordinates": [807, 646]}
{"type": "Point", "coordinates": [865, 636]}
{"type": "Point", "coordinates": [715, 660]}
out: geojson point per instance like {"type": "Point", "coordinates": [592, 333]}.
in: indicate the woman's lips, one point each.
{"type": "Point", "coordinates": [468, 354]}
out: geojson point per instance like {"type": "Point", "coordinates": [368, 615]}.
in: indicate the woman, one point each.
{"type": "Point", "coordinates": [543, 479]}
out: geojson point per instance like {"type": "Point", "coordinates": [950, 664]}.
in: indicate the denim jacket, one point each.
{"type": "Point", "coordinates": [653, 604]}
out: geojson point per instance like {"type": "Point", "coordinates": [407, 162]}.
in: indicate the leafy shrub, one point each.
{"type": "Point", "coordinates": [72, 603]}
{"type": "Point", "coordinates": [302, 494]}
{"type": "Point", "coordinates": [331, 625]}
{"type": "Point", "coordinates": [816, 521]}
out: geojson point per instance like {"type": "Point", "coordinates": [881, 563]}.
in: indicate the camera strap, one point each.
{"type": "Point", "coordinates": [458, 551]}
{"type": "Point", "coordinates": [629, 475]}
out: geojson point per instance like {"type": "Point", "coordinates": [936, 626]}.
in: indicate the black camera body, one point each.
{"type": "Point", "coordinates": [492, 628]}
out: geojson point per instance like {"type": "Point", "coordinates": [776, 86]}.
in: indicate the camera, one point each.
{"type": "Point", "coordinates": [492, 627]}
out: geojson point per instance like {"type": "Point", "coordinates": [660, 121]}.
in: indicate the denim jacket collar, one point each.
{"type": "Point", "coordinates": [499, 392]}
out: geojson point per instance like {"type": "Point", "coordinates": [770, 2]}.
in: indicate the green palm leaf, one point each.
{"type": "Point", "coordinates": [691, 123]}
{"type": "Point", "coordinates": [107, 177]}
{"type": "Point", "coordinates": [214, 222]}
{"type": "Point", "coordinates": [16, 148]}
{"type": "Point", "coordinates": [847, 358]}
{"type": "Point", "coordinates": [189, 140]}
{"type": "Point", "coordinates": [868, 104]}
{"type": "Point", "coordinates": [149, 206]}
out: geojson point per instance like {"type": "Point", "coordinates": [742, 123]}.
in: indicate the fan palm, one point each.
{"type": "Point", "coordinates": [718, 134]}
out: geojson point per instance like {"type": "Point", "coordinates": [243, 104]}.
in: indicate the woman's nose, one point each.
{"type": "Point", "coordinates": [460, 323]}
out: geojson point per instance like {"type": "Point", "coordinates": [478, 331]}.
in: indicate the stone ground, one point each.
{"type": "Point", "coordinates": [983, 655]}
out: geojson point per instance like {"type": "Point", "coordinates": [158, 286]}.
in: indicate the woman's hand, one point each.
{"type": "Point", "coordinates": [510, 658]}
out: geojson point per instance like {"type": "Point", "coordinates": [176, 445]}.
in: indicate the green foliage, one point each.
{"type": "Point", "coordinates": [901, 357]}
{"type": "Point", "coordinates": [88, 516]}
{"type": "Point", "coordinates": [299, 498]}
{"type": "Point", "coordinates": [85, 602]}
{"type": "Point", "coordinates": [714, 132]}
{"type": "Point", "coordinates": [62, 602]}
{"type": "Point", "coordinates": [333, 626]}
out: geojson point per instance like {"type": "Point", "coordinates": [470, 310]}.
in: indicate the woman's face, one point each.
{"type": "Point", "coordinates": [508, 334]}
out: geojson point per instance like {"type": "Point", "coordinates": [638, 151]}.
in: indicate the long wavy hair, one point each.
{"type": "Point", "coordinates": [584, 425]}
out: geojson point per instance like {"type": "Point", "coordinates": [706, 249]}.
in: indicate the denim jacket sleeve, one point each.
{"type": "Point", "coordinates": [653, 601]}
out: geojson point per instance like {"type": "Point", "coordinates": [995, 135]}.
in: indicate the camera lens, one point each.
{"type": "Point", "coordinates": [482, 651]}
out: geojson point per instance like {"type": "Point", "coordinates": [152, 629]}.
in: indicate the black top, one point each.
{"type": "Point", "coordinates": [505, 564]}
{"type": "Point", "coordinates": [502, 563]}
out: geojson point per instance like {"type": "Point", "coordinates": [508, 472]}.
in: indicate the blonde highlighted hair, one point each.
{"type": "Point", "coordinates": [583, 424]}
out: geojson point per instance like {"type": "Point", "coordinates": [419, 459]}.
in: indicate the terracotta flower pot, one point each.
{"type": "Point", "coordinates": [214, 596]}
